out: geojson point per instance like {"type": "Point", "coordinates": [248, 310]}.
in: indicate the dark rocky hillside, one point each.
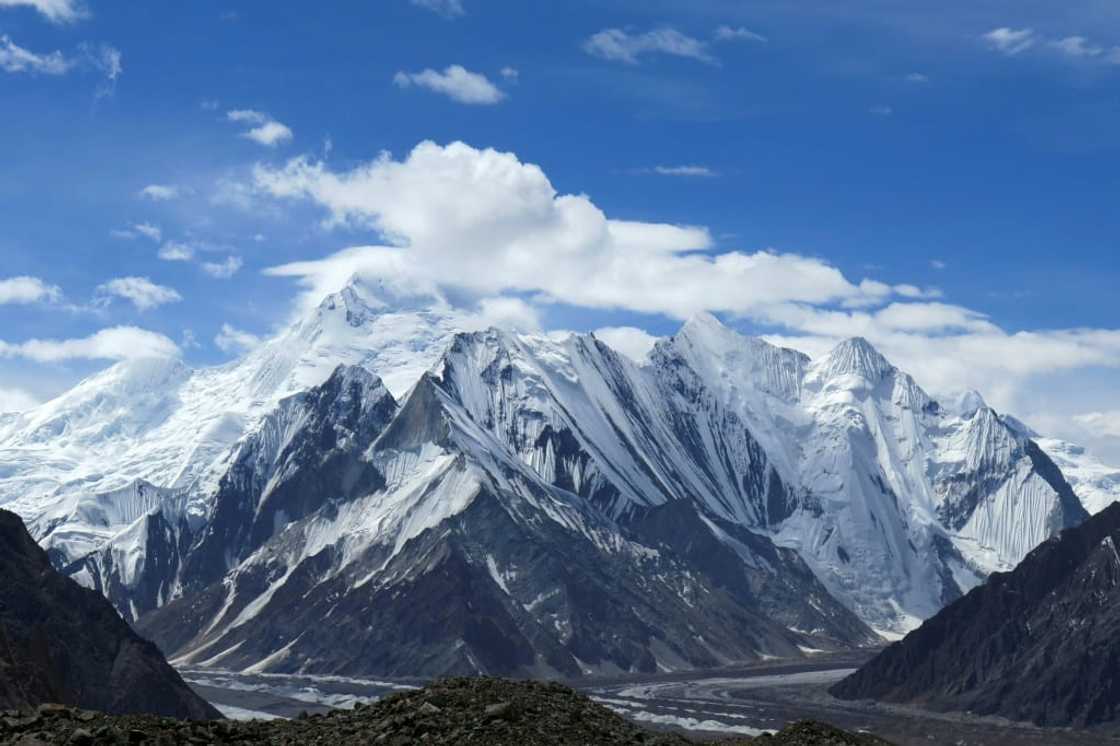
{"type": "Point", "coordinates": [60, 642]}
{"type": "Point", "coordinates": [1037, 644]}
{"type": "Point", "coordinates": [488, 712]}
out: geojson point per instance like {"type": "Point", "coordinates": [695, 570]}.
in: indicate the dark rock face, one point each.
{"type": "Point", "coordinates": [1037, 644]}
{"type": "Point", "coordinates": [486, 712]}
{"type": "Point", "coordinates": [63, 643]}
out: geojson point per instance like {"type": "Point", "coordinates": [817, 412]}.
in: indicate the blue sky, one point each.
{"type": "Point", "coordinates": [961, 156]}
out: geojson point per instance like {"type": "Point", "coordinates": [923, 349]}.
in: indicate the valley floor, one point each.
{"type": "Point", "coordinates": [740, 701]}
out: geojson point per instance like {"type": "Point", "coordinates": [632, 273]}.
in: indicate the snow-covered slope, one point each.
{"type": "Point", "coordinates": [1097, 484]}
{"type": "Point", "coordinates": [167, 425]}
{"type": "Point", "coordinates": [901, 504]}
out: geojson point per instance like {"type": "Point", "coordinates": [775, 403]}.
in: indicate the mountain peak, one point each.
{"type": "Point", "coordinates": [855, 356]}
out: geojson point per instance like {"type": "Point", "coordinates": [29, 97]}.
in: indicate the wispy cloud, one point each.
{"type": "Point", "coordinates": [1076, 46]}
{"type": "Point", "coordinates": [917, 78]}
{"type": "Point", "coordinates": [176, 251]}
{"type": "Point", "coordinates": [1010, 41]}
{"type": "Point", "coordinates": [455, 82]}
{"type": "Point", "coordinates": [16, 59]}
{"type": "Point", "coordinates": [233, 340]}
{"type": "Point", "coordinates": [684, 170]}
{"type": "Point", "coordinates": [223, 270]}
{"type": "Point", "coordinates": [728, 33]}
{"type": "Point", "coordinates": [263, 129]}
{"type": "Point", "coordinates": [55, 11]}
{"type": "Point", "coordinates": [881, 110]}
{"type": "Point", "coordinates": [160, 192]}
{"type": "Point", "coordinates": [618, 45]}
{"type": "Point", "coordinates": [140, 291]}
{"type": "Point", "coordinates": [446, 8]}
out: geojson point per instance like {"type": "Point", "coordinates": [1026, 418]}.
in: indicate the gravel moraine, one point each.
{"type": "Point", "coordinates": [454, 711]}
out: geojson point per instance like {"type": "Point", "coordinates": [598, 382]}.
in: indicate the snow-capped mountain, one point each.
{"type": "Point", "coordinates": [158, 422]}
{"type": "Point", "coordinates": [437, 545]}
{"type": "Point", "coordinates": [724, 500]}
{"type": "Point", "coordinates": [1097, 484]}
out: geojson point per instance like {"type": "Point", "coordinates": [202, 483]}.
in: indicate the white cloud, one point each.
{"type": "Point", "coordinates": [55, 11]}
{"type": "Point", "coordinates": [16, 59]}
{"type": "Point", "coordinates": [1077, 46]}
{"type": "Point", "coordinates": [223, 270]}
{"type": "Point", "coordinates": [455, 82]}
{"type": "Point", "coordinates": [445, 8]}
{"type": "Point", "coordinates": [160, 192]}
{"type": "Point", "coordinates": [728, 33]}
{"type": "Point", "coordinates": [149, 230]}
{"type": "Point", "coordinates": [25, 290]}
{"type": "Point", "coordinates": [1103, 424]}
{"type": "Point", "coordinates": [631, 341]}
{"type": "Point", "coordinates": [511, 74]}
{"type": "Point", "coordinates": [937, 264]}
{"type": "Point", "coordinates": [881, 110]}
{"type": "Point", "coordinates": [16, 400]}
{"type": "Point", "coordinates": [692, 170]}
{"type": "Point", "coordinates": [176, 251]}
{"type": "Point", "coordinates": [115, 343]}
{"type": "Point", "coordinates": [917, 78]}
{"type": "Point", "coordinates": [264, 130]}
{"type": "Point", "coordinates": [447, 211]}
{"type": "Point", "coordinates": [233, 340]}
{"type": "Point", "coordinates": [618, 45]}
{"type": "Point", "coordinates": [1010, 41]}
{"type": "Point", "coordinates": [140, 291]}
{"type": "Point", "coordinates": [108, 61]}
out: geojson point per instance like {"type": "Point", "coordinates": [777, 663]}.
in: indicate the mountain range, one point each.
{"type": "Point", "coordinates": [377, 490]}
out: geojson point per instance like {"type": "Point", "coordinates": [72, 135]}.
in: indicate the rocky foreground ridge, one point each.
{"type": "Point", "coordinates": [493, 712]}
{"type": "Point", "coordinates": [1037, 644]}
{"type": "Point", "coordinates": [60, 642]}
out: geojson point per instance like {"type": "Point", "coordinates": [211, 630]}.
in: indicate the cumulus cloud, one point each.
{"type": "Point", "coordinates": [224, 269]}
{"type": "Point", "coordinates": [140, 291]}
{"type": "Point", "coordinates": [16, 59]}
{"type": "Point", "coordinates": [55, 11]}
{"type": "Point", "coordinates": [263, 129]}
{"type": "Point", "coordinates": [233, 340]}
{"type": "Point", "coordinates": [729, 33]}
{"type": "Point", "coordinates": [446, 8]}
{"type": "Point", "coordinates": [24, 290]}
{"type": "Point", "coordinates": [1010, 41]}
{"type": "Point", "coordinates": [456, 82]}
{"type": "Point", "coordinates": [617, 45]}
{"type": "Point", "coordinates": [631, 341]}
{"type": "Point", "coordinates": [447, 211]}
{"type": "Point", "coordinates": [115, 343]}
{"type": "Point", "coordinates": [160, 192]}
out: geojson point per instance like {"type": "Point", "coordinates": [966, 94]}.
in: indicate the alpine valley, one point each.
{"type": "Point", "coordinates": [386, 489]}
